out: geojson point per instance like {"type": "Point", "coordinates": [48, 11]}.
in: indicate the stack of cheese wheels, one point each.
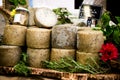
{"type": "Point", "coordinates": [64, 38]}
{"type": "Point", "coordinates": [9, 55]}
{"type": "Point", "coordinates": [89, 40]}
{"type": "Point", "coordinates": [45, 17]}
{"type": "Point", "coordinates": [38, 43]}
{"type": "Point", "coordinates": [89, 43]}
{"type": "Point", "coordinates": [14, 35]}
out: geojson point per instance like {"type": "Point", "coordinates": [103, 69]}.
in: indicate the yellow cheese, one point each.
{"type": "Point", "coordinates": [9, 55]}
{"type": "Point", "coordinates": [38, 37]}
{"type": "Point", "coordinates": [57, 54]}
{"type": "Point", "coordinates": [89, 40]}
{"type": "Point", "coordinates": [14, 35]}
{"type": "Point", "coordinates": [36, 56]}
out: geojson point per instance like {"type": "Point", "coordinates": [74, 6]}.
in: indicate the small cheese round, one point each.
{"type": "Point", "coordinates": [64, 36]}
{"type": "Point", "coordinates": [9, 55]}
{"type": "Point", "coordinates": [38, 37]}
{"type": "Point", "coordinates": [85, 58]}
{"type": "Point", "coordinates": [89, 40]}
{"type": "Point", "coordinates": [57, 54]}
{"type": "Point", "coordinates": [45, 17]}
{"type": "Point", "coordinates": [36, 56]}
{"type": "Point", "coordinates": [14, 35]}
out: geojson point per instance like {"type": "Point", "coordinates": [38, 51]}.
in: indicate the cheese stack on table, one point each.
{"type": "Point", "coordinates": [64, 39]}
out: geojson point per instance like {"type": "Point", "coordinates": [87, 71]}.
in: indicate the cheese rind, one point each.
{"type": "Point", "coordinates": [38, 37]}
{"type": "Point", "coordinates": [14, 35]}
{"type": "Point", "coordinates": [9, 55]}
{"type": "Point", "coordinates": [36, 56]}
{"type": "Point", "coordinates": [57, 54]}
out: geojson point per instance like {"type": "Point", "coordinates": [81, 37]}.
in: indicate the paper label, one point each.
{"type": "Point", "coordinates": [17, 18]}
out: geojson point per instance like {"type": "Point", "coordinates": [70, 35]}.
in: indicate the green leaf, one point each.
{"type": "Point", "coordinates": [22, 2]}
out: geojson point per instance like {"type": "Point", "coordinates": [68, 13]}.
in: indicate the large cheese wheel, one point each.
{"type": "Point", "coordinates": [89, 40]}
{"type": "Point", "coordinates": [64, 36]}
{"type": "Point", "coordinates": [85, 58]}
{"type": "Point", "coordinates": [36, 56]}
{"type": "Point", "coordinates": [9, 55]}
{"type": "Point", "coordinates": [38, 37]}
{"type": "Point", "coordinates": [57, 54]}
{"type": "Point", "coordinates": [45, 17]}
{"type": "Point", "coordinates": [14, 35]}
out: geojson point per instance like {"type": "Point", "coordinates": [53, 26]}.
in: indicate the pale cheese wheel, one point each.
{"type": "Point", "coordinates": [36, 56]}
{"type": "Point", "coordinates": [64, 36]}
{"type": "Point", "coordinates": [57, 54]}
{"type": "Point", "coordinates": [89, 40]}
{"type": "Point", "coordinates": [86, 58]}
{"type": "Point", "coordinates": [45, 17]}
{"type": "Point", "coordinates": [9, 55]}
{"type": "Point", "coordinates": [14, 35]}
{"type": "Point", "coordinates": [38, 37]}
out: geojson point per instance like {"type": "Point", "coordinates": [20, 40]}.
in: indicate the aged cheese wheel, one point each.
{"type": "Point", "coordinates": [36, 56]}
{"type": "Point", "coordinates": [84, 28]}
{"type": "Point", "coordinates": [85, 58]}
{"type": "Point", "coordinates": [64, 36]}
{"type": "Point", "coordinates": [31, 16]}
{"type": "Point", "coordinates": [14, 35]}
{"type": "Point", "coordinates": [38, 37]}
{"type": "Point", "coordinates": [57, 54]}
{"type": "Point", "coordinates": [89, 40]}
{"type": "Point", "coordinates": [9, 55]}
{"type": "Point", "coordinates": [45, 17]}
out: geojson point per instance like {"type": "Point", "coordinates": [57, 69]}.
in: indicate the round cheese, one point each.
{"type": "Point", "coordinates": [14, 35]}
{"type": "Point", "coordinates": [85, 58]}
{"type": "Point", "coordinates": [9, 55]}
{"type": "Point", "coordinates": [38, 37]}
{"type": "Point", "coordinates": [45, 17]}
{"type": "Point", "coordinates": [89, 40]}
{"type": "Point", "coordinates": [36, 56]}
{"type": "Point", "coordinates": [57, 54]}
{"type": "Point", "coordinates": [64, 36]}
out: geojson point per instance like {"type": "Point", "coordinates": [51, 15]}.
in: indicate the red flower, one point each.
{"type": "Point", "coordinates": [109, 52]}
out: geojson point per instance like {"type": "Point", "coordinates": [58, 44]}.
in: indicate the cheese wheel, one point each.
{"type": "Point", "coordinates": [38, 37]}
{"type": "Point", "coordinates": [89, 40]}
{"type": "Point", "coordinates": [9, 55]}
{"type": "Point", "coordinates": [31, 21]}
{"type": "Point", "coordinates": [45, 17]}
{"type": "Point", "coordinates": [85, 58]}
{"type": "Point", "coordinates": [64, 36]}
{"type": "Point", "coordinates": [36, 56]}
{"type": "Point", "coordinates": [57, 54]}
{"type": "Point", "coordinates": [84, 28]}
{"type": "Point", "coordinates": [14, 35]}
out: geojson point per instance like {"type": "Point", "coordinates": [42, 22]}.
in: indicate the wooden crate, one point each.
{"type": "Point", "coordinates": [57, 75]}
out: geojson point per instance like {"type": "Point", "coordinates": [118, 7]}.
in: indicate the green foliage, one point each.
{"type": "Point", "coordinates": [112, 32]}
{"type": "Point", "coordinates": [17, 2]}
{"type": "Point", "coordinates": [70, 65]}
{"type": "Point", "coordinates": [21, 68]}
{"type": "Point", "coordinates": [63, 15]}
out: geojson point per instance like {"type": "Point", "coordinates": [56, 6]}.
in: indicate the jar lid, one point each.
{"type": "Point", "coordinates": [22, 9]}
